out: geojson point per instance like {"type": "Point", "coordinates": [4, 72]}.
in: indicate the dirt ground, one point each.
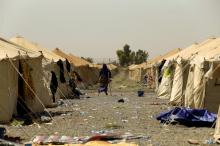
{"type": "Point", "coordinates": [136, 115]}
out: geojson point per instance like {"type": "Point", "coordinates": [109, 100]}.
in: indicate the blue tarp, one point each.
{"type": "Point", "coordinates": [188, 117]}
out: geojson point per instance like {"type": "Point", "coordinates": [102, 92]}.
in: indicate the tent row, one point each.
{"type": "Point", "coordinates": [25, 81]}
{"type": "Point", "coordinates": [137, 72]}
{"type": "Point", "coordinates": [190, 78]}
{"type": "Point", "coordinates": [31, 73]}
{"type": "Point", "coordinates": [88, 71]}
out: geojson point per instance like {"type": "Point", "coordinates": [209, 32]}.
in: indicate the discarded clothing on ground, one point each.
{"type": "Point", "coordinates": [100, 143]}
{"type": "Point", "coordinates": [86, 140]}
{"type": "Point", "coordinates": [188, 117]}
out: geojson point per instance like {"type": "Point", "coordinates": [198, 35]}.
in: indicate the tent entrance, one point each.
{"type": "Point", "coordinates": [24, 92]}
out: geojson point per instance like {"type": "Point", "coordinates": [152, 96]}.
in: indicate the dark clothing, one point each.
{"type": "Point", "coordinates": [78, 77]}
{"type": "Point", "coordinates": [74, 89]}
{"type": "Point", "coordinates": [104, 79]}
{"type": "Point", "coordinates": [62, 78]}
{"type": "Point", "coordinates": [53, 85]}
{"type": "Point", "coordinates": [68, 66]}
{"type": "Point", "coordinates": [105, 73]}
{"type": "Point", "coordinates": [145, 79]}
{"type": "Point", "coordinates": [160, 75]}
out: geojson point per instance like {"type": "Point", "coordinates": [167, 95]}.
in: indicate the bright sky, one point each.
{"type": "Point", "coordinates": [97, 28]}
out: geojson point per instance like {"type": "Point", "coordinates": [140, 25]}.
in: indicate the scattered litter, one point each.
{"type": "Point", "coordinates": [102, 131]}
{"type": "Point", "coordinates": [49, 123]}
{"type": "Point", "coordinates": [53, 139]}
{"type": "Point", "coordinates": [82, 113]}
{"type": "Point", "coordinates": [101, 136]}
{"type": "Point", "coordinates": [17, 122]}
{"type": "Point", "coordinates": [45, 119]}
{"type": "Point", "coordinates": [38, 126]}
{"type": "Point", "coordinates": [60, 102]}
{"type": "Point", "coordinates": [124, 121]}
{"type": "Point", "coordinates": [122, 87]}
{"type": "Point", "coordinates": [105, 137]}
{"type": "Point", "coordinates": [12, 139]}
{"type": "Point", "coordinates": [193, 141]}
{"type": "Point", "coordinates": [138, 137]}
{"type": "Point", "coordinates": [9, 143]}
{"type": "Point", "coordinates": [140, 93]}
{"type": "Point", "coordinates": [121, 101]}
{"type": "Point", "coordinates": [157, 103]}
{"type": "Point", "coordinates": [209, 141]}
{"type": "Point", "coordinates": [76, 109]}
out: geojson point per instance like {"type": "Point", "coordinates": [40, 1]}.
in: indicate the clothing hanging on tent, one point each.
{"type": "Point", "coordinates": [62, 78]}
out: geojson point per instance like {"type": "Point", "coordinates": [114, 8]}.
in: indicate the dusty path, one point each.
{"type": "Point", "coordinates": [135, 115]}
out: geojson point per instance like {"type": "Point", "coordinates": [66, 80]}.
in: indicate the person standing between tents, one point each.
{"type": "Point", "coordinates": [74, 77]}
{"type": "Point", "coordinates": [104, 79]}
{"type": "Point", "coordinates": [146, 76]}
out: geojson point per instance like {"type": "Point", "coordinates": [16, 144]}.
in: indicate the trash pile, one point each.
{"type": "Point", "coordinates": [8, 140]}
{"type": "Point", "coordinates": [99, 137]}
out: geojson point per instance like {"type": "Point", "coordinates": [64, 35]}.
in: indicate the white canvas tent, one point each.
{"type": "Point", "coordinates": [164, 88]}
{"type": "Point", "coordinates": [174, 86]}
{"type": "Point", "coordinates": [49, 63]}
{"type": "Point", "coordinates": [205, 81]}
{"type": "Point", "coordinates": [136, 72]}
{"type": "Point", "coordinates": [183, 71]}
{"type": "Point", "coordinates": [14, 59]}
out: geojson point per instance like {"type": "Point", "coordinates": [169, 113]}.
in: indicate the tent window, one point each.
{"type": "Point", "coordinates": [62, 78]}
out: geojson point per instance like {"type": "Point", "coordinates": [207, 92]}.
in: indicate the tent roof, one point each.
{"type": "Point", "coordinates": [76, 61]}
{"type": "Point", "coordinates": [34, 47]}
{"type": "Point", "coordinates": [79, 61]}
{"type": "Point", "coordinates": [170, 54]}
{"type": "Point", "coordinates": [137, 66]}
{"type": "Point", "coordinates": [11, 50]}
{"type": "Point", "coordinates": [209, 50]}
{"type": "Point", "coordinates": [194, 49]}
{"type": "Point", "coordinates": [99, 66]}
{"type": "Point", "coordinates": [159, 58]}
{"type": "Point", "coordinates": [132, 67]}
{"type": "Point", "coordinates": [111, 66]}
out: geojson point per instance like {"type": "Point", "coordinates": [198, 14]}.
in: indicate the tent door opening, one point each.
{"type": "Point", "coordinates": [24, 92]}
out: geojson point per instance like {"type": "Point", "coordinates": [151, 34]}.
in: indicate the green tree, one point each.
{"type": "Point", "coordinates": [127, 57]}
{"type": "Point", "coordinates": [140, 57]}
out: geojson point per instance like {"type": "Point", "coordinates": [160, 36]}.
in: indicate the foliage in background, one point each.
{"type": "Point", "coordinates": [140, 57]}
{"type": "Point", "coordinates": [127, 57]}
